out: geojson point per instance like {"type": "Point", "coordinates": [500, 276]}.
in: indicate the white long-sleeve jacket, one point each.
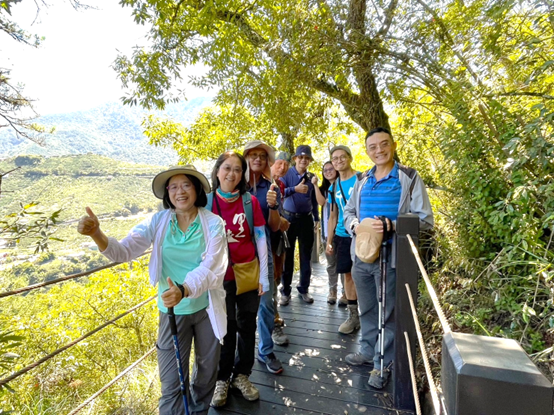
{"type": "Point", "coordinates": [208, 276]}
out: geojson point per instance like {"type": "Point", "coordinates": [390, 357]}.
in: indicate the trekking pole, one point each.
{"type": "Point", "coordinates": [383, 294]}
{"type": "Point", "coordinates": [173, 326]}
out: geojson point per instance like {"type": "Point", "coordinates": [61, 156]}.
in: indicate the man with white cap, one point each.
{"type": "Point", "coordinates": [259, 158]}
{"type": "Point", "coordinates": [386, 191]}
{"type": "Point", "coordinates": [300, 208]}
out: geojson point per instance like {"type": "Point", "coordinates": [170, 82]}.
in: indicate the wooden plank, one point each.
{"type": "Point", "coordinates": [316, 379]}
{"type": "Point", "coordinates": [318, 404]}
{"type": "Point", "coordinates": [319, 389]}
{"type": "Point", "coordinates": [321, 365]}
{"type": "Point", "coordinates": [335, 344]}
{"type": "Point", "coordinates": [329, 336]}
{"type": "Point", "coordinates": [337, 316]}
{"type": "Point", "coordinates": [238, 405]}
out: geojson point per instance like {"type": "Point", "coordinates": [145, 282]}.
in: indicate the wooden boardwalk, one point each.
{"type": "Point", "coordinates": [316, 379]}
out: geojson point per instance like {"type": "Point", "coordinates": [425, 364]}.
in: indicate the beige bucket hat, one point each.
{"type": "Point", "coordinates": [251, 145]}
{"type": "Point", "coordinates": [368, 241]}
{"type": "Point", "coordinates": [161, 179]}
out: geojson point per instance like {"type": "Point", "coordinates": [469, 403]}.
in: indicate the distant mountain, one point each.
{"type": "Point", "coordinates": [111, 130]}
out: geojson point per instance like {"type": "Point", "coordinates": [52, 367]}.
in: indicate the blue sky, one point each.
{"type": "Point", "coordinates": [71, 70]}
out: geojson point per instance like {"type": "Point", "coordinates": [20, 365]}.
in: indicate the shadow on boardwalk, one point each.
{"type": "Point", "coordinates": [316, 379]}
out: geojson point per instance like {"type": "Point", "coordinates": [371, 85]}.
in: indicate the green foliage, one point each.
{"type": "Point", "coordinates": [28, 223]}
{"type": "Point", "coordinates": [476, 119]}
{"type": "Point", "coordinates": [52, 318]}
{"type": "Point", "coordinates": [8, 342]}
{"type": "Point", "coordinates": [288, 60]}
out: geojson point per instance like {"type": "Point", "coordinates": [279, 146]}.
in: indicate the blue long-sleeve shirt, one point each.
{"type": "Point", "coordinates": [299, 202]}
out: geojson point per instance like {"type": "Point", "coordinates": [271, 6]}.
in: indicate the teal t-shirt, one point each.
{"type": "Point", "coordinates": [181, 253]}
{"type": "Point", "coordinates": [347, 186]}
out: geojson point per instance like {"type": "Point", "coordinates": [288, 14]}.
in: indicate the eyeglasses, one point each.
{"type": "Point", "coordinates": [337, 158]}
{"type": "Point", "coordinates": [262, 157]}
{"type": "Point", "coordinates": [304, 158]}
{"type": "Point", "coordinates": [330, 170]}
{"type": "Point", "coordinates": [227, 170]}
{"type": "Point", "coordinates": [172, 188]}
{"type": "Point", "coordinates": [383, 146]}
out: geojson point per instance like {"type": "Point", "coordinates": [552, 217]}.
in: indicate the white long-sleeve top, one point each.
{"type": "Point", "coordinates": [208, 276]}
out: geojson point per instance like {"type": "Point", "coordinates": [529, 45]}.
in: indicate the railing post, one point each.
{"type": "Point", "coordinates": [406, 273]}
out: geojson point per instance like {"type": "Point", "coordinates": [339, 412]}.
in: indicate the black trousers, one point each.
{"type": "Point", "coordinates": [301, 228]}
{"type": "Point", "coordinates": [239, 344]}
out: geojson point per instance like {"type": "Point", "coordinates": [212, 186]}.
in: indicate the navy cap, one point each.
{"type": "Point", "coordinates": [303, 150]}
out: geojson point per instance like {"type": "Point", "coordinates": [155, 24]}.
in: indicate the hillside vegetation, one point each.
{"type": "Point", "coordinates": [111, 130]}
{"type": "Point", "coordinates": [119, 193]}
{"type": "Point", "coordinates": [50, 317]}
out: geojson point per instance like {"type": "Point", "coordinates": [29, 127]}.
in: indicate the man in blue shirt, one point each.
{"type": "Point", "coordinates": [338, 239]}
{"type": "Point", "coordinates": [301, 210]}
{"type": "Point", "coordinates": [388, 189]}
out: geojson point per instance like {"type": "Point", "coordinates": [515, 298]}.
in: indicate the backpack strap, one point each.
{"type": "Point", "coordinates": [247, 205]}
{"type": "Point", "coordinates": [411, 173]}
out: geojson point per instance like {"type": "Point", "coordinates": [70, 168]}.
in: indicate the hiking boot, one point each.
{"type": "Point", "coordinates": [243, 384]}
{"type": "Point", "coordinates": [357, 359]}
{"type": "Point", "coordinates": [284, 300]}
{"type": "Point", "coordinates": [306, 297]}
{"type": "Point", "coordinates": [332, 297]}
{"type": "Point", "coordinates": [271, 362]}
{"type": "Point", "coordinates": [343, 301]}
{"type": "Point", "coordinates": [375, 379]}
{"type": "Point", "coordinates": [279, 337]}
{"type": "Point", "coordinates": [352, 322]}
{"type": "Point", "coordinates": [220, 393]}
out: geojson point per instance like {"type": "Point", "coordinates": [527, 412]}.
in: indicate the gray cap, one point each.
{"type": "Point", "coordinates": [346, 149]}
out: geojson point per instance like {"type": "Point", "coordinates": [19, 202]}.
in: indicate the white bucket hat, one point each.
{"type": "Point", "coordinates": [251, 145]}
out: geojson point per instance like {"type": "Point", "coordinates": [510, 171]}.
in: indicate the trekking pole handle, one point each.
{"type": "Point", "coordinates": [172, 323]}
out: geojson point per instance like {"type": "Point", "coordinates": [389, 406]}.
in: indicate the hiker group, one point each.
{"type": "Point", "coordinates": [223, 259]}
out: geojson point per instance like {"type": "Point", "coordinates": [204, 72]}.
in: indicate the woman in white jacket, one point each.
{"type": "Point", "coordinates": [188, 262]}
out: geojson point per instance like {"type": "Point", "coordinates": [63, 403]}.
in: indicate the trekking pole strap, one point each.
{"type": "Point", "coordinates": [172, 323]}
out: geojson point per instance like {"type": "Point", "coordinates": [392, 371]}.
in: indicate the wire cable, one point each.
{"type": "Point", "coordinates": [67, 277]}
{"type": "Point", "coordinates": [73, 343]}
{"type": "Point", "coordinates": [114, 380]}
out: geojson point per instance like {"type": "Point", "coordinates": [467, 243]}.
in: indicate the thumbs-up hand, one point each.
{"type": "Point", "coordinates": [314, 180]}
{"type": "Point", "coordinates": [172, 296]}
{"type": "Point", "coordinates": [301, 187]}
{"type": "Point", "coordinates": [88, 224]}
{"type": "Point", "coordinates": [271, 196]}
